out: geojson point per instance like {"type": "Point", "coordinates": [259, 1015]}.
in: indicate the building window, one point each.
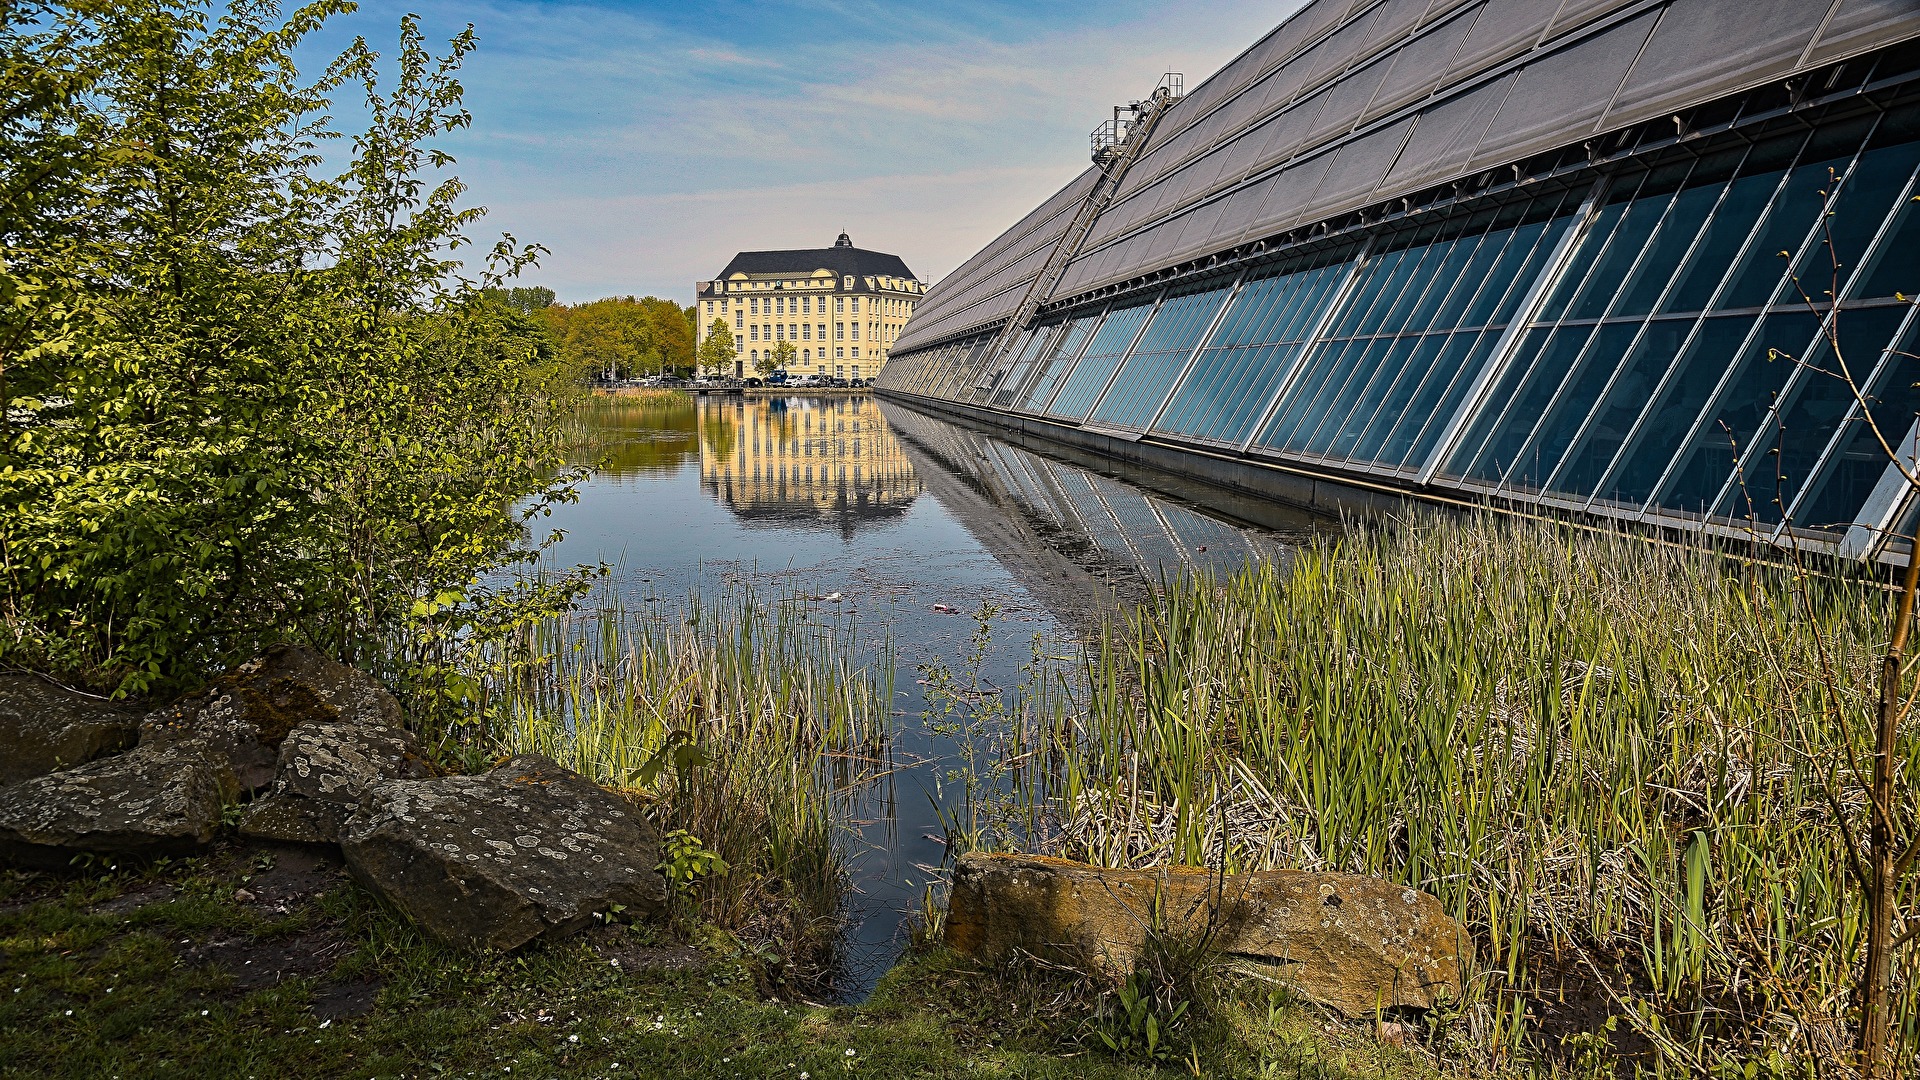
{"type": "Point", "coordinates": [856, 442]}
{"type": "Point", "coordinates": [840, 304]}
{"type": "Point", "coordinates": [856, 305]}
{"type": "Point", "coordinates": [823, 328]}
{"type": "Point", "coordinates": [806, 354]}
{"type": "Point", "coordinates": [837, 351]}
{"type": "Point", "coordinates": [856, 352]}
{"type": "Point", "coordinates": [823, 369]}
{"type": "Point", "coordinates": [739, 343]}
{"type": "Point", "coordinates": [856, 331]}
{"type": "Point", "coordinates": [739, 318]}
{"type": "Point", "coordinates": [806, 305]}
{"type": "Point", "coordinates": [849, 281]}
{"type": "Point", "coordinates": [839, 331]}
{"type": "Point", "coordinates": [806, 331]}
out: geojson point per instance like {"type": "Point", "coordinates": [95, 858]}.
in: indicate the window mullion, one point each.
{"type": "Point", "coordinates": [1306, 346]}
{"type": "Point", "coordinates": [1509, 342]}
{"type": "Point", "coordinates": [1193, 358]}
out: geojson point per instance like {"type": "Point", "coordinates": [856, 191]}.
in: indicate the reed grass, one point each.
{"type": "Point", "coordinates": [739, 718]}
{"type": "Point", "coordinates": [1621, 765]}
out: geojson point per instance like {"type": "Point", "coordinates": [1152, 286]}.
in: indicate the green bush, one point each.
{"type": "Point", "coordinates": [246, 401]}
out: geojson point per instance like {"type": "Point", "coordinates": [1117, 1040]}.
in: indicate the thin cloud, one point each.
{"type": "Point", "coordinates": [644, 145]}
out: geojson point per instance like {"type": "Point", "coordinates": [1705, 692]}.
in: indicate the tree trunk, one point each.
{"type": "Point", "coordinates": [1882, 844]}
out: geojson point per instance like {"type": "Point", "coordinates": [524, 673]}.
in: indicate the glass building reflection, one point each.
{"type": "Point", "coordinates": [829, 462]}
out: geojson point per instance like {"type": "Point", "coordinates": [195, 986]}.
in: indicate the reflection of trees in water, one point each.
{"type": "Point", "coordinates": [719, 431]}
{"type": "Point", "coordinates": [630, 435]}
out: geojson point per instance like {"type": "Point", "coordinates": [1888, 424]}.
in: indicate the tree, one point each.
{"type": "Point", "coordinates": [246, 402]}
{"type": "Point", "coordinates": [525, 299]}
{"type": "Point", "coordinates": [775, 358]}
{"type": "Point", "coordinates": [622, 336]}
{"type": "Point", "coordinates": [717, 353]}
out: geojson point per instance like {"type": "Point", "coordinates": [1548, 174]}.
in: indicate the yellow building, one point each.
{"type": "Point", "coordinates": [828, 461]}
{"type": "Point", "coordinates": [842, 307]}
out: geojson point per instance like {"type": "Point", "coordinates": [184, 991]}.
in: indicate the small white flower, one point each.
{"type": "Point", "coordinates": [203, 1012]}
{"type": "Point", "coordinates": [573, 1038]}
{"type": "Point", "coordinates": [849, 1051]}
{"type": "Point", "coordinates": [70, 1013]}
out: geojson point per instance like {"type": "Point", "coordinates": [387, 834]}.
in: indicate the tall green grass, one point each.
{"type": "Point", "coordinates": [1621, 765]}
{"type": "Point", "coordinates": [741, 719]}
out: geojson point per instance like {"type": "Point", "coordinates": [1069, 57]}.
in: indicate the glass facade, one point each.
{"type": "Point", "coordinates": [1710, 331]}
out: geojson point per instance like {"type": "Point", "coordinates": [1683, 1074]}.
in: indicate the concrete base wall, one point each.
{"type": "Point", "coordinates": [1294, 486]}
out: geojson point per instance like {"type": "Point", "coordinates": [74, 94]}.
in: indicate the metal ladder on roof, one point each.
{"type": "Point", "coordinates": [1117, 144]}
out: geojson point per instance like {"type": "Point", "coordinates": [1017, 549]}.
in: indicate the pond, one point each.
{"type": "Point", "coordinates": [926, 530]}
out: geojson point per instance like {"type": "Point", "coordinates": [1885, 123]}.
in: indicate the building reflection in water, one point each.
{"type": "Point", "coordinates": [827, 462]}
{"type": "Point", "coordinates": [1083, 536]}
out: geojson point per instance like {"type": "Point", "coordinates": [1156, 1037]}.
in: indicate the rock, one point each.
{"type": "Point", "coordinates": [153, 800]}
{"type": "Point", "coordinates": [1347, 941]}
{"type": "Point", "coordinates": [44, 727]}
{"type": "Point", "coordinates": [325, 767]}
{"type": "Point", "coordinates": [529, 850]}
{"type": "Point", "coordinates": [248, 712]}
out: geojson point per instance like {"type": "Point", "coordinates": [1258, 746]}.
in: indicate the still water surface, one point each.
{"type": "Point", "coordinates": [910, 519]}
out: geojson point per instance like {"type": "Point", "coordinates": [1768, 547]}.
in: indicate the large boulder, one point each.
{"type": "Point", "coordinates": [529, 850]}
{"type": "Point", "coordinates": [154, 800]}
{"type": "Point", "coordinates": [325, 767]}
{"type": "Point", "coordinates": [44, 727]}
{"type": "Point", "coordinates": [248, 712]}
{"type": "Point", "coordinates": [1347, 941]}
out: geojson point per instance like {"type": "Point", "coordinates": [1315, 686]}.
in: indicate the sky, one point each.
{"type": "Point", "coordinates": [644, 143]}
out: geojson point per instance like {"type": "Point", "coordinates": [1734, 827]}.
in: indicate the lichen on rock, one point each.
{"type": "Point", "coordinates": [529, 850]}
{"type": "Point", "coordinates": [154, 800]}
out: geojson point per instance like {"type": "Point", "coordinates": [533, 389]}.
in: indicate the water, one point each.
{"type": "Point", "coordinates": [915, 522]}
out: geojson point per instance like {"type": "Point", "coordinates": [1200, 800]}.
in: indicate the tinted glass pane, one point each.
{"type": "Point", "coordinates": [1405, 290]}
{"type": "Point", "coordinates": [1676, 234]}
{"type": "Point", "coordinates": [1397, 402]}
{"type": "Point", "coordinates": [1503, 457]}
{"type": "Point", "coordinates": [1819, 400]}
{"type": "Point", "coordinates": [1474, 279]}
{"type": "Point", "coordinates": [1048, 375]}
{"type": "Point", "coordinates": [1103, 354]}
{"type": "Point", "coordinates": [1852, 472]}
{"type": "Point", "coordinates": [1793, 215]}
{"type": "Point", "coordinates": [1876, 180]}
{"type": "Point", "coordinates": [1577, 398]}
{"type": "Point", "coordinates": [1737, 414]}
{"type": "Point", "coordinates": [1326, 367]}
{"type": "Point", "coordinates": [1671, 416]}
{"type": "Point", "coordinates": [1496, 401]}
{"type": "Point", "coordinates": [1157, 361]}
{"type": "Point", "coordinates": [1338, 439]}
{"type": "Point", "coordinates": [1589, 251]}
{"type": "Point", "coordinates": [1442, 280]}
{"type": "Point", "coordinates": [1465, 355]}
{"type": "Point", "coordinates": [1732, 222]}
{"type": "Point", "coordinates": [1367, 292]}
{"type": "Point", "coordinates": [1613, 419]}
{"type": "Point", "coordinates": [1535, 264]}
{"type": "Point", "coordinates": [1892, 268]}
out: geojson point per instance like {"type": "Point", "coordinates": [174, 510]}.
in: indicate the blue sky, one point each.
{"type": "Point", "coordinates": [644, 143]}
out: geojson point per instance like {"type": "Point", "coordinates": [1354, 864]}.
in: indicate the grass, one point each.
{"type": "Point", "coordinates": [742, 719]}
{"type": "Point", "coordinates": [1620, 765]}
{"type": "Point", "coordinates": [101, 976]}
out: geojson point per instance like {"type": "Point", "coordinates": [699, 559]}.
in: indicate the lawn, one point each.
{"type": "Point", "coordinates": [272, 963]}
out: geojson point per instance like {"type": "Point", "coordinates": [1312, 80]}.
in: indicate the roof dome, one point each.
{"type": "Point", "coordinates": [844, 241]}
